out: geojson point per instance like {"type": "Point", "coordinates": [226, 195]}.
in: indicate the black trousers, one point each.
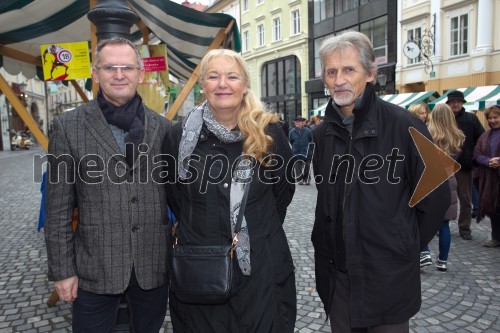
{"type": "Point", "coordinates": [340, 317]}
{"type": "Point", "coordinates": [94, 313]}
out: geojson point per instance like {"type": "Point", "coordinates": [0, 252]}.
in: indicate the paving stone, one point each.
{"type": "Point", "coordinates": [464, 299]}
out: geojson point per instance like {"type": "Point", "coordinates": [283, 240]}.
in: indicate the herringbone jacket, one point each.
{"type": "Point", "coordinates": [122, 210]}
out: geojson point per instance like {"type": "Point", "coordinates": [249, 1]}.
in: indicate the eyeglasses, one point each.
{"type": "Point", "coordinates": [114, 68]}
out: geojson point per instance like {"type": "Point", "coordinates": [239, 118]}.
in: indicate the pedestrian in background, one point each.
{"type": "Point", "coordinates": [487, 155]}
{"type": "Point", "coordinates": [471, 126]}
{"type": "Point", "coordinates": [300, 137]}
{"type": "Point", "coordinates": [366, 237]}
{"type": "Point", "coordinates": [315, 120]}
{"type": "Point", "coordinates": [419, 111]}
{"type": "Point", "coordinates": [233, 124]}
{"type": "Point", "coordinates": [446, 135]}
{"type": "Point", "coordinates": [119, 246]}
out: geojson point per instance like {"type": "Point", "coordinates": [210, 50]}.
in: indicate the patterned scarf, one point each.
{"type": "Point", "coordinates": [128, 117]}
{"type": "Point", "coordinates": [191, 129]}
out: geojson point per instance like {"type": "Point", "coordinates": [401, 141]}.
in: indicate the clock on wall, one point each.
{"type": "Point", "coordinates": [411, 50]}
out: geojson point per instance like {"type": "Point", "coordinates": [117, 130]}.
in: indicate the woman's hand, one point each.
{"type": "Point", "coordinates": [494, 162]}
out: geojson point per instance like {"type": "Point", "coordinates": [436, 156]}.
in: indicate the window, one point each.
{"type": "Point", "coordinates": [323, 9]}
{"type": "Point", "coordinates": [342, 6]}
{"type": "Point", "coordinates": [317, 61]}
{"type": "Point", "coordinates": [459, 31]}
{"type": "Point", "coordinates": [295, 22]}
{"type": "Point", "coordinates": [416, 36]}
{"type": "Point", "coordinates": [376, 30]}
{"type": "Point", "coordinates": [260, 35]}
{"type": "Point", "coordinates": [245, 5]}
{"type": "Point", "coordinates": [276, 29]}
{"type": "Point", "coordinates": [260, 2]}
{"type": "Point", "coordinates": [246, 41]}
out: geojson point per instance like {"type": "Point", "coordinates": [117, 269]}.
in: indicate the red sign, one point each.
{"type": "Point", "coordinates": [155, 64]}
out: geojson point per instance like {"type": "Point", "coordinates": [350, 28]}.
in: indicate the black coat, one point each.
{"type": "Point", "coordinates": [382, 234]}
{"type": "Point", "coordinates": [265, 301]}
{"type": "Point", "coordinates": [472, 128]}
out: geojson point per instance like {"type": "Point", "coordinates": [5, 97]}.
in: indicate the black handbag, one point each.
{"type": "Point", "coordinates": [203, 274]}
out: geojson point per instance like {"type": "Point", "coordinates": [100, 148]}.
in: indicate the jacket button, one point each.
{"type": "Point", "coordinates": [226, 185]}
{"type": "Point", "coordinates": [328, 219]}
{"type": "Point", "coordinates": [135, 228]}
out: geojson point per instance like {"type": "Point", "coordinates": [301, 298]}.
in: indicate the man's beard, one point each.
{"type": "Point", "coordinates": [345, 99]}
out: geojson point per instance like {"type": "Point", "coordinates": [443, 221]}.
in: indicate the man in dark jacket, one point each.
{"type": "Point", "coordinates": [300, 136]}
{"type": "Point", "coordinates": [367, 239]}
{"type": "Point", "coordinates": [472, 128]}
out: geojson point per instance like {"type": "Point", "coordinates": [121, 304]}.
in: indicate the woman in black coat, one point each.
{"type": "Point", "coordinates": [205, 199]}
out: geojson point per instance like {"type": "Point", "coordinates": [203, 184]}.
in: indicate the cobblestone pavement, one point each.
{"type": "Point", "coordinates": [464, 299]}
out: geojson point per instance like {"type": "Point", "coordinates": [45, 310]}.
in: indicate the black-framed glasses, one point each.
{"type": "Point", "coordinates": [114, 68]}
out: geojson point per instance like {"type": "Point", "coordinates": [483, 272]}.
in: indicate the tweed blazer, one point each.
{"type": "Point", "coordinates": [122, 210]}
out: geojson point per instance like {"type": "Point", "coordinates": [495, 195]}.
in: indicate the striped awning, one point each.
{"type": "Point", "coordinates": [27, 24]}
{"type": "Point", "coordinates": [478, 98]}
{"type": "Point", "coordinates": [407, 99]}
{"type": "Point", "coordinates": [320, 110]}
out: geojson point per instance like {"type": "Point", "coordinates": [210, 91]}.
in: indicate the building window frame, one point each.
{"type": "Point", "coordinates": [459, 34]}
{"type": "Point", "coordinates": [276, 29]}
{"type": "Point", "coordinates": [295, 17]}
{"type": "Point", "coordinates": [414, 33]}
{"type": "Point", "coordinates": [245, 5]}
{"type": "Point", "coordinates": [260, 35]}
{"type": "Point", "coordinates": [245, 40]}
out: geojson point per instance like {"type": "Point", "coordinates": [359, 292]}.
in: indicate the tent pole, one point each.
{"type": "Point", "coordinates": [80, 91]}
{"type": "Point", "coordinates": [93, 45]}
{"type": "Point", "coordinates": [217, 41]}
{"type": "Point", "coordinates": [23, 113]}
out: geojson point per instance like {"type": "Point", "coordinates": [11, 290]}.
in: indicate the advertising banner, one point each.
{"type": "Point", "coordinates": [155, 89]}
{"type": "Point", "coordinates": [65, 61]}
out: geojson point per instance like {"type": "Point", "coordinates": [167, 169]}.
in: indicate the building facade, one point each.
{"type": "Point", "coordinates": [456, 42]}
{"type": "Point", "coordinates": [275, 46]}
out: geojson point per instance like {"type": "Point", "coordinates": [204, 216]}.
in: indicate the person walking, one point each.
{"type": "Point", "coordinates": [366, 237]}
{"type": "Point", "coordinates": [234, 126]}
{"type": "Point", "coordinates": [300, 137]}
{"type": "Point", "coordinates": [487, 155]}
{"type": "Point", "coordinates": [471, 126]}
{"type": "Point", "coordinates": [446, 135]}
{"type": "Point", "coordinates": [119, 246]}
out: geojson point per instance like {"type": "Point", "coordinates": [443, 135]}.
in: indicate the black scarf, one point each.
{"type": "Point", "coordinates": [128, 117]}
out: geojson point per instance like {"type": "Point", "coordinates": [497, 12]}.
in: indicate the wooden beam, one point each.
{"type": "Point", "coordinates": [216, 42]}
{"type": "Point", "coordinates": [145, 32]}
{"type": "Point", "coordinates": [80, 91]}
{"type": "Point", "coordinates": [18, 55]}
{"type": "Point", "coordinates": [23, 113]}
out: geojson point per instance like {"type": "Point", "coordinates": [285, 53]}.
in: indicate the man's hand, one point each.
{"type": "Point", "coordinates": [67, 289]}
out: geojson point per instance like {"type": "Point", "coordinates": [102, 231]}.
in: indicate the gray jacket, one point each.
{"type": "Point", "coordinates": [122, 219]}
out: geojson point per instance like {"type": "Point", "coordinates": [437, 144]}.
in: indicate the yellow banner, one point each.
{"type": "Point", "coordinates": [155, 89]}
{"type": "Point", "coordinates": [65, 61]}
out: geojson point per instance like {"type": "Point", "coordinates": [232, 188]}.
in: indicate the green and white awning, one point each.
{"type": "Point", "coordinates": [407, 99]}
{"type": "Point", "coordinates": [478, 98]}
{"type": "Point", "coordinates": [320, 110]}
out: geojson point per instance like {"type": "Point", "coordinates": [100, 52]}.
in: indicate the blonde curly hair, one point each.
{"type": "Point", "coordinates": [253, 117]}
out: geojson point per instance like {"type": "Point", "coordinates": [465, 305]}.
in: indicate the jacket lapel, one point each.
{"type": "Point", "coordinates": [150, 132]}
{"type": "Point", "coordinates": [99, 128]}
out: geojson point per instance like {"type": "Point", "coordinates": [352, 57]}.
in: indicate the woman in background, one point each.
{"type": "Point", "coordinates": [420, 111]}
{"type": "Point", "coordinates": [449, 138]}
{"type": "Point", "coordinates": [487, 155]}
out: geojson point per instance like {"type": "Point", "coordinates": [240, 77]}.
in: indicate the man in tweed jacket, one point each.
{"type": "Point", "coordinates": [103, 160]}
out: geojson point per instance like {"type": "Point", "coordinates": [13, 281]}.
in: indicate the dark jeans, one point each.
{"type": "Point", "coordinates": [94, 313]}
{"type": "Point", "coordinates": [340, 317]}
{"type": "Point", "coordinates": [464, 191]}
{"type": "Point", "coordinates": [301, 168]}
{"type": "Point", "coordinates": [444, 241]}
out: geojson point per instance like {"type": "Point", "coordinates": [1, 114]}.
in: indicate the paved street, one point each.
{"type": "Point", "coordinates": [464, 299]}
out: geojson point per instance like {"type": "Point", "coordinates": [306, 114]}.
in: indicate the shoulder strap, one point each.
{"type": "Point", "coordinates": [241, 212]}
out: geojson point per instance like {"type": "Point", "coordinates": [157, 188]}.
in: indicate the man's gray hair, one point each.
{"type": "Point", "coordinates": [346, 40]}
{"type": "Point", "coordinates": [117, 41]}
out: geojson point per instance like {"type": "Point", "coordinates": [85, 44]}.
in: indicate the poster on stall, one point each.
{"type": "Point", "coordinates": [65, 61]}
{"type": "Point", "coordinates": [155, 89]}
